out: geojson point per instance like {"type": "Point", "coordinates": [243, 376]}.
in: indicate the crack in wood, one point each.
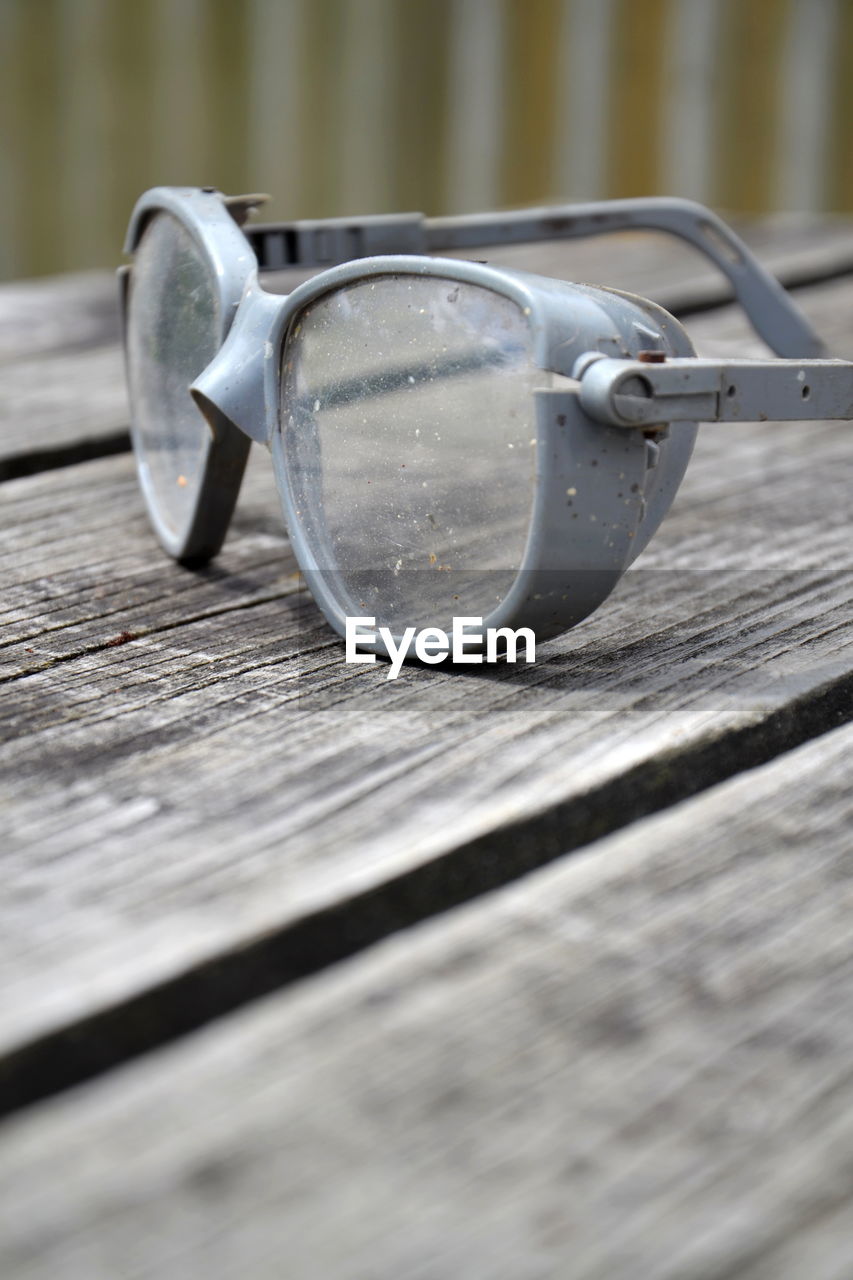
{"type": "Point", "coordinates": [67, 455]}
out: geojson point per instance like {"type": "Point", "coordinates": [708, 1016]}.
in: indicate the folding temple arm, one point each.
{"type": "Point", "coordinates": [635, 393]}
{"type": "Point", "coordinates": [772, 312]}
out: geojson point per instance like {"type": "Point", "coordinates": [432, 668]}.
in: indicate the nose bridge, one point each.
{"type": "Point", "coordinates": [233, 386]}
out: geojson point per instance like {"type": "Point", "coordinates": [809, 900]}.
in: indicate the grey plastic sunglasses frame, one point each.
{"type": "Point", "coordinates": [567, 570]}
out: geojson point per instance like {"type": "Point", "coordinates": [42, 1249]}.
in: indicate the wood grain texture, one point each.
{"type": "Point", "coordinates": [634, 1063]}
{"type": "Point", "coordinates": [221, 804]}
{"type": "Point", "coordinates": [72, 312]}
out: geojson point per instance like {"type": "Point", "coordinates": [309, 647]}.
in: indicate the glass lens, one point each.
{"type": "Point", "coordinates": [173, 332]}
{"type": "Point", "coordinates": [408, 420]}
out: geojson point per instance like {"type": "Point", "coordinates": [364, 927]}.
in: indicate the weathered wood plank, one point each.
{"type": "Point", "coordinates": [80, 564]}
{"type": "Point", "coordinates": [59, 409]}
{"type": "Point", "coordinates": [634, 1063]}
{"type": "Point", "coordinates": [61, 313]}
{"type": "Point", "coordinates": [62, 396]}
{"type": "Point", "coordinates": [222, 803]}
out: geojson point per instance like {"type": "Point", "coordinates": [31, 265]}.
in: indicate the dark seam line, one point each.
{"type": "Point", "coordinates": [721, 296]}
{"type": "Point", "coordinates": [66, 455]}
{"type": "Point", "coordinates": [164, 1013]}
{"type": "Point", "coordinates": [27, 464]}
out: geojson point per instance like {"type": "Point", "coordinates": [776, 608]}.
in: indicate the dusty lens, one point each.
{"type": "Point", "coordinates": [408, 422]}
{"type": "Point", "coordinates": [172, 334]}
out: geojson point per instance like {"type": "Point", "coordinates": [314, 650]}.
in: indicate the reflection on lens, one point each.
{"type": "Point", "coordinates": [408, 424]}
{"type": "Point", "coordinates": [172, 334]}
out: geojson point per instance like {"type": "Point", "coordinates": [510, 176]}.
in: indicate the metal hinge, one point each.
{"type": "Point", "coordinates": [636, 393]}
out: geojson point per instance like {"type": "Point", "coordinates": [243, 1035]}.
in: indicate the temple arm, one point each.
{"type": "Point", "coordinates": [773, 313]}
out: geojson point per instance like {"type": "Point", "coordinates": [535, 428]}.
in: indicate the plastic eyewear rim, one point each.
{"type": "Point", "coordinates": [212, 223]}
{"type": "Point", "coordinates": [230, 264]}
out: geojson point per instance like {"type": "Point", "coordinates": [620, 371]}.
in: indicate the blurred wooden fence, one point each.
{"type": "Point", "coordinates": [339, 106]}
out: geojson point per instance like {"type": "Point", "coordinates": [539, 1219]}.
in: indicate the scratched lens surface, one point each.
{"type": "Point", "coordinates": [172, 334]}
{"type": "Point", "coordinates": [408, 422]}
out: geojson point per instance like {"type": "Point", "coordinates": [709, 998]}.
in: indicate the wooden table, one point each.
{"type": "Point", "coordinates": [520, 972]}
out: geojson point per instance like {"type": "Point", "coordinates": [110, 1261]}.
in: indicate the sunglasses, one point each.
{"type": "Point", "coordinates": [449, 439]}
